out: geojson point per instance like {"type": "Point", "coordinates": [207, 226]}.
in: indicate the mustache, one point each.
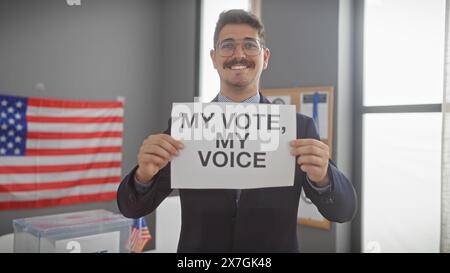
{"type": "Point", "coordinates": [242, 61]}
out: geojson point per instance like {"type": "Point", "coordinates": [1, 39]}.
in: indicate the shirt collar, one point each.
{"type": "Point", "coordinates": [253, 99]}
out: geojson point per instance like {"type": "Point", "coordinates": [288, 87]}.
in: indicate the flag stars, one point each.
{"type": "Point", "coordinates": [12, 126]}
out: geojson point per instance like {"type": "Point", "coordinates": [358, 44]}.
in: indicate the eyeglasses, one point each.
{"type": "Point", "coordinates": [251, 47]}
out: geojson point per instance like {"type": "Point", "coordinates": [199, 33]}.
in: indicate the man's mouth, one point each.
{"type": "Point", "coordinates": [241, 64]}
{"type": "Point", "coordinates": [238, 67]}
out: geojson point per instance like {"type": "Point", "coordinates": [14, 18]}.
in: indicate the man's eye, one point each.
{"type": "Point", "coordinates": [251, 45]}
{"type": "Point", "coordinates": [227, 46]}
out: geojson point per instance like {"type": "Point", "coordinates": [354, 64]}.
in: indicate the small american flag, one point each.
{"type": "Point", "coordinates": [57, 152]}
{"type": "Point", "coordinates": [140, 235]}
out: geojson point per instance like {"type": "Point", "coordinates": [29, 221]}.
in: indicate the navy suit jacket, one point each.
{"type": "Point", "coordinates": [265, 219]}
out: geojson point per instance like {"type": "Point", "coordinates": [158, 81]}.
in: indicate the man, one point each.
{"type": "Point", "coordinates": [227, 220]}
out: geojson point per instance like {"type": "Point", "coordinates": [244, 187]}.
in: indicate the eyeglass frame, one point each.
{"type": "Point", "coordinates": [259, 41]}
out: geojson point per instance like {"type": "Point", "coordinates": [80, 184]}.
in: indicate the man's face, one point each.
{"type": "Point", "coordinates": [240, 70]}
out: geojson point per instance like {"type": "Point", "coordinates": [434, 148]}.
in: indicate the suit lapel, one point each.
{"type": "Point", "coordinates": [263, 99]}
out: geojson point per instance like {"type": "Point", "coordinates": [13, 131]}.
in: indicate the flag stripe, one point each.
{"type": "Point", "coordinates": [58, 184]}
{"type": "Point", "coordinates": [59, 201]}
{"type": "Point", "coordinates": [133, 237]}
{"type": "Point", "coordinates": [74, 119]}
{"type": "Point", "coordinates": [37, 102]}
{"type": "Point", "coordinates": [92, 143]}
{"type": "Point", "coordinates": [64, 112]}
{"type": "Point", "coordinates": [74, 151]}
{"type": "Point", "coordinates": [46, 194]}
{"type": "Point", "coordinates": [53, 177]}
{"type": "Point", "coordinates": [73, 128]}
{"type": "Point", "coordinates": [50, 160]}
{"type": "Point", "coordinates": [60, 135]}
{"type": "Point", "coordinates": [58, 168]}
{"type": "Point", "coordinates": [145, 235]}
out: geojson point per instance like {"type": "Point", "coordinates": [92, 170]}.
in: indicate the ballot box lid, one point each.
{"type": "Point", "coordinates": [66, 222]}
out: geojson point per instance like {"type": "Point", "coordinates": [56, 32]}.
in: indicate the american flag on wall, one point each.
{"type": "Point", "coordinates": [58, 152]}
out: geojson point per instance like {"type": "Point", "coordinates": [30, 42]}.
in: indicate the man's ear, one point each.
{"type": "Point", "coordinates": [213, 57]}
{"type": "Point", "coordinates": [266, 58]}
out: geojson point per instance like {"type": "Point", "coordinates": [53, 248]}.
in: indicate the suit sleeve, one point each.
{"type": "Point", "coordinates": [339, 203]}
{"type": "Point", "coordinates": [134, 203]}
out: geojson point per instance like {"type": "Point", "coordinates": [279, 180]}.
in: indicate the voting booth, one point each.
{"type": "Point", "coordinates": [93, 231]}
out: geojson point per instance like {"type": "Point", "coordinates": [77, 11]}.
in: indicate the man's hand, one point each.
{"type": "Point", "coordinates": [313, 158]}
{"type": "Point", "coordinates": [155, 152]}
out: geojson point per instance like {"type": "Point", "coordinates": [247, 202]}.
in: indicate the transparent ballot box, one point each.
{"type": "Point", "coordinates": [93, 231]}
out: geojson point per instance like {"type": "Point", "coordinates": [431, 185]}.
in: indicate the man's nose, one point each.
{"type": "Point", "coordinates": [239, 51]}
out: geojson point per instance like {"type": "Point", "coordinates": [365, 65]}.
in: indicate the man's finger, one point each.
{"type": "Point", "coordinates": [311, 160]}
{"type": "Point", "coordinates": [176, 143]}
{"type": "Point", "coordinates": [308, 141]}
{"type": "Point", "coordinates": [159, 151]}
{"type": "Point", "coordinates": [148, 146]}
{"type": "Point", "coordinates": [314, 173]}
{"type": "Point", "coordinates": [167, 146]}
{"type": "Point", "coordinates": [152, 158]}
{"type": "Point", "coordinates": [309, 150]}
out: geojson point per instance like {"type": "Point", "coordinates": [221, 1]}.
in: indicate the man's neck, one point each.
{"type": "Point", "coordinates": [239, 95]}
{"type": "Point", "coordinates": [252, 99]}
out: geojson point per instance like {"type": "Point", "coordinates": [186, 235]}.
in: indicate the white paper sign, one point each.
{"type": "Point", "coordinates": [233, 145]}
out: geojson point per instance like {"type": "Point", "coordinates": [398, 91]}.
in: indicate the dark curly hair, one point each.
{"type": "Point", "coordinates": [238, 16]}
